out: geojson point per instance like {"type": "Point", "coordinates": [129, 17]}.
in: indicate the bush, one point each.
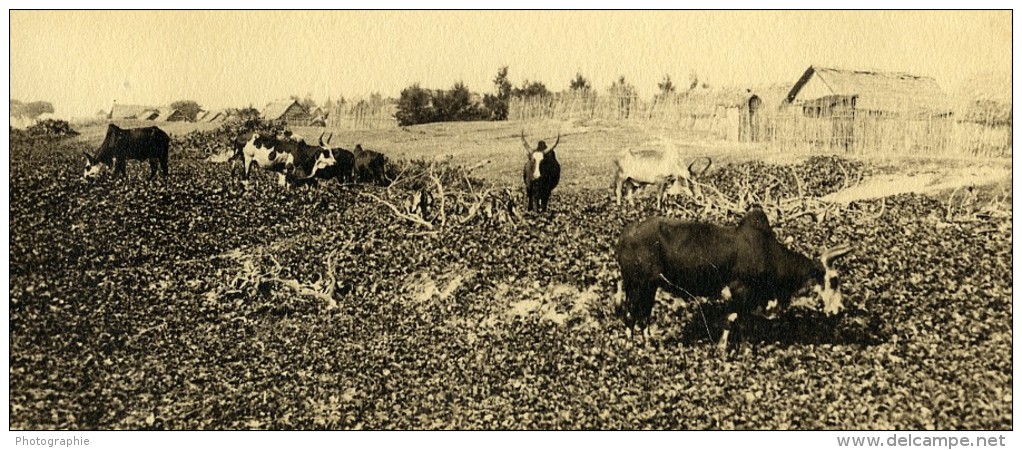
{"type": "Point", "coordinates": [418, 105]}
{"type": "Point", "coordinates": [52, 128]}
{"type": "Point", "coordinates": [418, 174]}
{"type": "Point", "coordinates": [223, 138]}
{"type": "Point", "coordinates": [415, 106]}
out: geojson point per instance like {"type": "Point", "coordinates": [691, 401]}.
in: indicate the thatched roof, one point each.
{"type": "Point", "coordinates": [170, 115]}
{"type": "Point", "coordinates": [712, 100]}
{"type": "Point", "coordinates": [716, 97]}
{"type": "Point", "coordinates": [891, 92]}
{"type": "Point", "coordinates": [149, 114]}
{"type": "Point", "coordinates": [119, 111]}
{"type": "Point", "coordinates": [215, 116]}
{"type": "Point", "coordinates": [275, 110]}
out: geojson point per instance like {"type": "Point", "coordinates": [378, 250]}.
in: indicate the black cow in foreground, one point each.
{"type": "Point", "coordinates": [120, 145]}
{"type": "Point", "coordinates": [693, 259]}
{"type": "Point", "coordinates": [541, 174]}
{"type": "Point", "coordinates": [370, 166]}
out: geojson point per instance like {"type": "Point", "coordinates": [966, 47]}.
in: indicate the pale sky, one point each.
{"type": "Point", "coordinates": [82, 61]}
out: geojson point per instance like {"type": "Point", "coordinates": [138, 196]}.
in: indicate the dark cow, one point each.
{"type": "Point", "coordinates": [370, 166]}
{"type": "Point", "coordinates": [120, 145]}
{"type": "Point", "coordinates": [541, 174]}
{"type": "Point", "coordinates": [306, 163]}
{"type": "Point", "coordinates": [343, 169]}
{"type": "Point", "coordinates": [693, 259]}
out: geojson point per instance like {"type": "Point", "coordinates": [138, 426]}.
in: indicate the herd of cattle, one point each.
{"type": "Point", "coordinates": [744, 264]}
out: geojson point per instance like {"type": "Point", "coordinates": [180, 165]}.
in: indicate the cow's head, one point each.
{"type": "Point", "coordinates": [537, 156]}
{"type": "Point", "coordinates": [305, 162]}
{"type": "Point", "coordinates": [829, 287]}
{"type": "Point", "coordinates": [93, 168]}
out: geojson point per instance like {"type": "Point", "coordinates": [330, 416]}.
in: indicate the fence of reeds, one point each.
{"type": "Point", "coordinates": [786, 129]}
{"type": "Point", "coordinates": [369, 114]}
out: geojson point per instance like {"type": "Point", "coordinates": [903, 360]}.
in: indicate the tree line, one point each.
{"type": "Point", "coordinates": [420, 105]}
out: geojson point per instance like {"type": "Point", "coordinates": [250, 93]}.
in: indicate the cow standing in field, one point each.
{"type": "Point", "coordinates": [292, 159]}
{"type": "Point", "coordinates": [693, 259]}
{"type": "Point", "coordinates": [120, 145]}
{"type": "Point", "coordinates": [344, 168]}
{"type": "Point", "coordinates": [370, 166]}
{"type": "Point", "coordinates": [265, 152]}
{"type": "Point", "coordinates": [541, 174]}
{"type": "Point", "coordinates": [306, 164]}
{"type": "Point", "coordinates": [655, 168]}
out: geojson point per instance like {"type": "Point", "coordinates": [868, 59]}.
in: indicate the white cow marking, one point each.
{"type": "Point", "coordinates": [537, 157]}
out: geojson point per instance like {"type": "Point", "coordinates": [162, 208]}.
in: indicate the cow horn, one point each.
{"type": "Point", "coordinates": [321, 139]}
{"type": "Point", "coordinates": [557, 141]}
{"type": "Point", "coordinates": [831, 254]}
{"type": "Point", "coordinates": [709, 162]}
{"type": "Point", "coordinates": [311, 174]}
{"type": "Point", "coordinates": [329, 138]}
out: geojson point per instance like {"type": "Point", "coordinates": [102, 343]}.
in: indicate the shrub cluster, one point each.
{"type": "Point", "coordinates": [224, 137]}
{"type": "Point", "coordinates": [419, 105]}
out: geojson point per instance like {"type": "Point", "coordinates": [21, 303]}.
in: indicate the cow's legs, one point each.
{"type": "Point", "coordinates": [163, 166]}
{"type": "Point", "coordinates": [662, 194]}
{"type": "Point", "coordinates": [638, 307]}
{"type": "Point", "coordinates": [722, 343]}
{"type": "Point", "coordinates": [153, 163]}
{"type": "Point", "coordinates": [618, 185]}
{"type": "Point", "coordinates": [744, 299]}
{"type": "Point", "coordinates": [544, 198]}
{"type": "Point", "coordinates": [120, 165]}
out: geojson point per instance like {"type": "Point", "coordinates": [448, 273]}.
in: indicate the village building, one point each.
{"type": "Point", "coordinates": [137, 112]}
{"type": "Point", "coordinates": [843, 110]}
{"type": "Point", "coordinates": [170, 115]}
{"type": "Point", "coordinates": [827, 92]}
{"type": "Point", "coordinates": [287, 111]}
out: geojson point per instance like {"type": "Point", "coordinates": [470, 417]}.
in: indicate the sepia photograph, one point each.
{"type": "Point", "coordinates": [536, 220]}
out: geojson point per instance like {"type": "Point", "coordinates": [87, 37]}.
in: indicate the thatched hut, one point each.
{"type": "Point", "coordinates": [171, 115]}
{"type": "Point", "coordinates": [286, 111]}
{"type": "Point", "coordinates": [735, 114]}
{"type": "Point", "coordinates": [827, 92]}
{"type": "Point", "coordinates": [139, 112]}
{"type": "Point", "coordinates": [844, 110]}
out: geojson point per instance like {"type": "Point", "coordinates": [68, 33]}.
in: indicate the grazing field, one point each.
{"type": "Point", "coordinates": [200, 302]}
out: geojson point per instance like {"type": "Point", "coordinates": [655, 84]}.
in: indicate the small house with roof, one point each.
{"type": "Point", "coordinates": [827, 92]}
{"type": "Point", "coordinates": [286, 111]}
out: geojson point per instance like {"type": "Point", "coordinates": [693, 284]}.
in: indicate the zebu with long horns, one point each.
{"type": "Point", "coordinates": [307, 163]}
{"type": "Point", "coordinates": [694, 259]}
{"type": "Point", "coordinates": [541, 174]}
